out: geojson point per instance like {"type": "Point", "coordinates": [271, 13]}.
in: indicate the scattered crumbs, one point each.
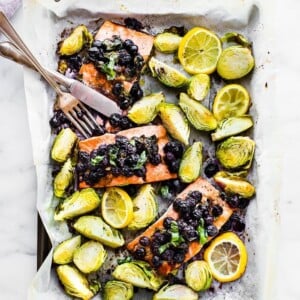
{"type": "Point", "coordinates": [212, 289]}
{"type": "Point", "coordinates": [248, 240]}
{"type": "Point", "coordinates": [266, 85]}
{"type": "Point", "coordinates": [268, 52]}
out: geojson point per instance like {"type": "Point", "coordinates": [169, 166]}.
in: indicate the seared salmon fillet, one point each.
{"type": "Point", "coordinates": [153, 172]}
{"type": "Point", "coordinates": [208, 193]}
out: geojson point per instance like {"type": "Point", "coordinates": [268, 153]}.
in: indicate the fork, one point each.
{"type": "Point", "coordinates": [74, 110]}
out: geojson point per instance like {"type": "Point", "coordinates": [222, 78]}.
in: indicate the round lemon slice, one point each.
{"type": "Point", "coordinates": [199, 51]}
{"type": "Point", "coordinates": [232, 100]}
{"type": "Point", "coordinates": [116, 207]}
{"type": "Point", "coordinates": [227, 257]}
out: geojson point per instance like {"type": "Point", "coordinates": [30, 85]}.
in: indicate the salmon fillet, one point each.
{"type": "Point", "coordinates": [153, 173]}
{"type": "Point", "coordinates": [208, 192]}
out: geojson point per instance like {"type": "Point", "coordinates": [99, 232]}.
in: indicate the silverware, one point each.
{"type": "Point", "coordinates": [84, 93]}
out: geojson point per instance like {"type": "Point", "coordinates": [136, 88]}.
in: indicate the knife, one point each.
{"type": "Point", "coordinates": [84, 93]}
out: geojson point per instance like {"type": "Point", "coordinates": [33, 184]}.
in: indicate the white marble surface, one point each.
{"type": "Point", "coordinates": [18, 183]}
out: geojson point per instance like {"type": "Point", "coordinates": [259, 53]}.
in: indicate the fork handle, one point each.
{"type": "Point", "coordinates": [8, 30]}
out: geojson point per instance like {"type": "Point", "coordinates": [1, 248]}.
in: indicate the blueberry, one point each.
{"type": "Point", "coordinates": [140, 253]}
{"type": "Point", "coordinates": [167, 255]}
{"type": "Point", "coordinates": [189, 233]}
{"type": "Point", "coordinates": [167, 222]}
{"type": "Point", "coordinates": [196, 195]}
{"type": "Point", "coordinates": [83, 157]}
{"type": "Point", "coordinates": [125, 60]}
{"type": "Point", "coordinates": [133, 23]}
{"type": "Point", "coordinates": [155, 159]}
{"type": "Point", "coordinates": [197, 213]}
{"type": "Point", "coordinates": [211, 169]}
{"type": "Point", "coordinates": [133, 49]}
{"type": "Point", "coordinates": [81, 167]}
{"type": "Point", "coordinates": [211, 230]}
{"type": "Point", "coordinates": [209, 220]}
{"type": "Point", "coordinates": [136, 92]}
{"type": "Point", "coordinates": [144, 241]}
{"type": "Point", "coordinates": [174, 147]}
{"type": "Point", "coordinates": [156, 262]}
{"type": "Point", "coordinates": [174, 166]}
{"type": "Point", "coordinates": [161, 237]}
{"type": "Point", "coordinates": [178, 258]}
{"type": "Point", "coordinates": [233, 201]}
{"type": "Point", "coordinates": [169, 157]}
{"type": "Point", "coordinates": [127, 44]}
{"type": "Point", "coordinates": [117, 88]}
{"type": "Point", "coordinates": [94, 53]}
{"type": "Point", "coordinates": [115, 120]}
{"type": "Point", "coordinates": [125, 123]}
{"type": "Point", "coordinates": [125, 103]}
{"type": "Point", "coordinates": [217, 210]}
{"type": "Point", "coordinates": [130, 72]}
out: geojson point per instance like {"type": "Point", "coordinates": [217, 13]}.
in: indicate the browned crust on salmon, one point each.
{"type": "Point", "coordinates": [153, 173]}
{"type": "Point", "coordinates": [208, 192]}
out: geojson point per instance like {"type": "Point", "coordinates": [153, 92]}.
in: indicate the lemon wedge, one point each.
{"type": "Point", "coordinates": [199, 51]}
{"type": "Point", "coordinates": [227, 257]}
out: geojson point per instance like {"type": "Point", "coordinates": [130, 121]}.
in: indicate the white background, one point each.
{"type": "Point", "coordinates": [18, 183]}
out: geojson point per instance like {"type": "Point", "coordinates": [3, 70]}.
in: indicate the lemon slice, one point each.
{"type": "Point", "coordinates": [232, 100]}
{"type": "Point", "coordinates": [117, 208]}
{"type": "Point", "coordinates": [166, 74]}
{"type": "Point", "coordinates": [199, 51]}
{"type": "Point", "coordinates": [199, 86]}
{"type": "Point", "coordinates": [227, 257]}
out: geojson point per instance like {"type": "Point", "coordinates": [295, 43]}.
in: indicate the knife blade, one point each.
{"type": "Point", "coordinates": [82, 92]}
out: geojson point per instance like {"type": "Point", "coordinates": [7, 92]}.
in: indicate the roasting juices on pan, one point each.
{"type": "Point", "coordinates": [147, 186]}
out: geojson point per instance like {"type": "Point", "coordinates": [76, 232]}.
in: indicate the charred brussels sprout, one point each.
{"type": "Point", "coordinates": [96, 229]}
{"type": "Point", "coordinates": [167, 42]}
{"type": "Point", "coordinates": [139, 274]}
{"type": "Point", "coordinates": [63, 179]}
{"type": "Point", "coordinates": [76, 284]}
{"type": "Point", "coordinates": [63, 145]}
{"type": "Point", "coordinates": [79, 37]}
{"type": "Point", "coordinates": [175, 122]}
{"type": "Point", "coordinates": [198, 275]}
{"type": "Point", "coordinates": [190, 165]}
{"type": "Point", "coordinates": [146, 109]}
{"type": "Point", "coordinates": [78, 204]}
{"type": "Point", "coordinates": [89, 257]}
{"type": "Point", "coordinates": [199, 116]}
{"type": "Point", "coordinates": [231, 126]}
{"type": "Point", "coordinates": [234, 184]}
{"type": "Point", "coordinates": [118, 290]}
{"type": "Point", "coordinates": [175, 292]}
{"type": "Point", "coordinates": [236, 152]}
{"type": "Point", "coordinates": [63, 252]}
{"type": "Point", "coordinates": [144, 208]}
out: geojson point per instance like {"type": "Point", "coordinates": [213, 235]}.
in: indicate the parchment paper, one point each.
{"type": "Point", "coordinates": [45, 20]}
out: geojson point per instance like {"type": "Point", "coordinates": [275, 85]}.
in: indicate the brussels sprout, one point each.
{"type": "Point", "coordinates": [144, 208]}
{"type": "Point", "coordinates": [63, 252]}
{"type": "Point", "coordinates": [198, 275]}
{"type": "Point", "coordinates": [175, 122]}
{"type": "Point", "coordinates": [118, 290]}
{"type": "Point", "coordinates": [234, 184]}
{"type": "Point", "coordinates": [63, 145]}
{"type": "Point", "coordinates": [167, 42]}
{"type": "Point", "coordinates": [236, 152]}
{"type": "Point", "coordinates": [63, 179]}
{"type": "Point", "coordinates": [79, 37]}
{"type": "Point", "coordinates": [231, 126]}
{"type": "Point", "coordinates": [199, 86]}
{"type": "Point", "coordinates": [166, 74]}
{"type": "Point", "coordinates": [145, 110]}
{"type": "Point", "coordinates": [139, 274]}
{"type": "Point", "coordinates": [96, 229]}
{"type": "Point", "coordinates": [190, 165]}
{"type": "Point", "coordinates": [199, 116]}
{"type": "Point", "coordinates": [76, 284]}
{"type": "Point", "coordinates": [89, 257]}
{"type": "Point", "coordinates": [235, 62]}
{"type": "Point", "coordinates": [77, 204]}
{"type": "Point", "coordinates": [175, 292]}
{"type": "Point", "coordinates": [235, 38]}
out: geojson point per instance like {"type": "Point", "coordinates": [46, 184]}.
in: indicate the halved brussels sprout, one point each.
{"type": "Point", "coordinates": [139, 274]}
{"type": "Point", "coordinates": [199, 116]}
{"type": "Point", "coordinates": [96, 229]}
{"type": "Point", "coordinates": [63, 144]}
{"type": "Point", "coordinates": [63, 179]}
{"type": "Point", "coordinates": [175, 292]}
{"type": "Point", "coordinates": [89, 257]}
{"type": "Point", "coordinates": [236, 152]}
{"type": "Point", "coordinates": [63, 252]}
{"type": "Point", "coordinates": [231, 126]}
{"type": "Point", "coordinates": [76, 284]}
{"type": "Point", "coordinates": [79, 37]}
{"type": "Point", "coordinates": [234, 184]}
{"type": "Point", "coordinates": [198, 275]}
{"type": "Point", "coordinates": [235, 62]}
{"type": "Point", "coordinates": [190, 165]}
{"type": "Point", "coordinates": [144, 208]}
{"type": "Point", "coordinates": [166, 74]}
{"type": "Point", "coordinates": [118, 290]}
{"type": "Point", "coordinates": [234, 38]}
{"type": "Point", "coordinates": [146, 109]}
{"type": "Point", "coordinates": [199, 86]}
{"type": "Point", "coordinates": [167, 42]}
{"type": "Point", "coordinates": [175, 122]}
{"type": "Point", "coordinates": [77, 204]}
